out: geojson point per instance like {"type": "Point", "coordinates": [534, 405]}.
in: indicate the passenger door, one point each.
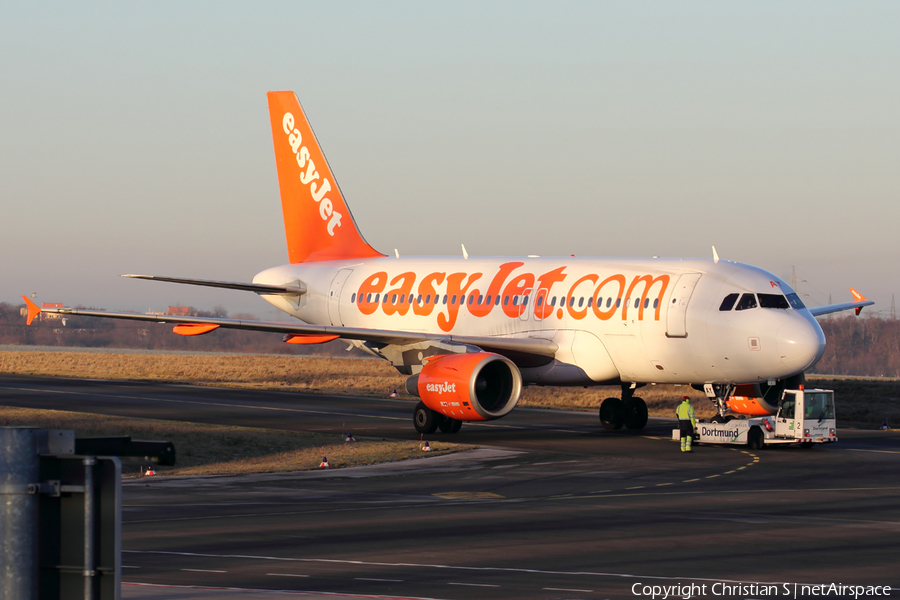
{"type": "Point", "coordinates": [676, 314]}
{"type": "Point", "coordinates": [334, 296]}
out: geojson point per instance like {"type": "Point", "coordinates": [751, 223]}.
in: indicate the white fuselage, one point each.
{"type": "Point", "coordinates": [630, 320]}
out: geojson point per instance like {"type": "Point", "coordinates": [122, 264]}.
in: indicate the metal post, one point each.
{"type": "Point", "coordinates": [89, 516]}
{"type": "Point", "coordinates": [19, 470]}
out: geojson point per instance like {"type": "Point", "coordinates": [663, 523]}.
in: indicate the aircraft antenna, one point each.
{"type": "Point", "coordinates": [465, 254]}
{"type": "Point", "coordinates": [715, 255]}
{"type": "Point", "coordinates": [396, 253]}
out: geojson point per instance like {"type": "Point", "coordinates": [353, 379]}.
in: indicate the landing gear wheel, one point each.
{"type": "Point", "coordinates": [425, 419]}
{"type": "Point", "coordinates": [449, 425]}
{"type": "Point", "coordinates": [755, 438]}
{"type": "Point", "coordinates": [611, 416]}
{"type": "Point", "coordinates": [634, 413]}
{"type": "Point", "coordinates": [730, 418]}
{"type": "Point", "coordinates": [719, 419]}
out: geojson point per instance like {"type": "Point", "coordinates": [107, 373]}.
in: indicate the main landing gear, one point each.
{"type": "Point", "coordinates": [429, 421]}
{"type": "Point", "coordinates": [630, 411]}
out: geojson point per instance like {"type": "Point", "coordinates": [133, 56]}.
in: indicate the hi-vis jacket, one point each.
{"type": "Point", "coordinates": [686, 412]}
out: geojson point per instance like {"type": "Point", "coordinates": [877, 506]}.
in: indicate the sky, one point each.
{"type": "Point", "coordinates": [134, 137]}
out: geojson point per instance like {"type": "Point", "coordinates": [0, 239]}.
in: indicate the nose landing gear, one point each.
{"type": "Point", "coordinates": [718, 394]}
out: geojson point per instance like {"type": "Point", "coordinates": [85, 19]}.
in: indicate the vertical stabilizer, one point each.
{"type": "Point", "coordinates": [317, 222]}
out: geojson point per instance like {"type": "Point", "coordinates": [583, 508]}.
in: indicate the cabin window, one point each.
{"type": "Point", "coordinates": [590, 302]}
{"type": "Point", "coordinates": [773, 301]}
{"type": "Point", "coordinates": [377, 296]}
{"type": "Point", "coordinates": [524, 300]}
{"type": "Point", "coordinates": [618, 302]}
{"type": "Point", "coordinates": [553, 301]}
{"type": "Point", "coordinates": [571, 301]}
{"type": "Point", "coordinates": [540, 301]}
{"type": "Point", "coordinates": [656, 303]}
{"type": "Point", "coordinates": [562, 301]}
{"type": "Point", "coordinates": [497, 300]}
{"type": "Point", "coordinates": [480, 299]}
{"type": "Point", "coordinates": [368, 297]}
{"type": "Point", "coordinates": [353, 298]}
{"type": "Point", "coordinates": [394, 299]}
{"type": "Point", "coordinates": [445, 298]}
{"type": "Point", "coordinates": [505, 300]}
{"type": "Point", "coordinates": [515, 300]}
{"type": "Point", "coordinates": [472, 299]}
{"type": "Point", "coordinates": [747, 302]}
{"type": "Point", "coordinates": [453, 299]}
{"type": "Point", "coordinates": [728, 302]}
{"type": "Point", "coordinates": [646, 302]}
{"type": "Point", "coordinates": [637, 302]}
{"type": "Point", "coordinates": [488, 299]}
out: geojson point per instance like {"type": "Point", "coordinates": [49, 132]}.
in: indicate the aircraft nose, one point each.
{"type": "Point", "coordinates": [801, 344]}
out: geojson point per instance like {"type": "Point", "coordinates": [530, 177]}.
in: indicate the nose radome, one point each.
{"type": "Point", "coordinates": [801, 344]}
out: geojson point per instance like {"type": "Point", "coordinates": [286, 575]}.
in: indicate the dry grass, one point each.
{"type": "Point", "coordinates": [860, 403]}
{"type": "Point", "coordinates": [360, 377]}
{"type": "Point", "coordinates": [217, 450]}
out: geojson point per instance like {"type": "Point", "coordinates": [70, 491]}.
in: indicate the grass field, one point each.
{"type": "Point", "coordinates": [862, 403]}
{"type": "Point", "coordinates": [216, 450]}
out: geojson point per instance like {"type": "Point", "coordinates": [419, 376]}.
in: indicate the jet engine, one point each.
{"type": "Point", "coordinates": [479, 386]}
{"type": "Point", "coordinates": [748, 400]}
{"type": "Point", "coordinates": [758, 399]}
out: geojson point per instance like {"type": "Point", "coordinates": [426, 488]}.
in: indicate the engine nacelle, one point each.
{"type": "Point", "coordinates": [748, 399]}
{"type": "Point", "coordinates": [479, 386]}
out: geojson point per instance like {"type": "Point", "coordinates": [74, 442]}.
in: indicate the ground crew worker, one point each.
{"type": "Point", "coordinates": [686, 423]}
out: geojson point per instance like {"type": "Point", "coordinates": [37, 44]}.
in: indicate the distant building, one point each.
{"type": "Point", "coordinates": [51, 315]}
{"type": "Point", "coordinates": [182, 311]}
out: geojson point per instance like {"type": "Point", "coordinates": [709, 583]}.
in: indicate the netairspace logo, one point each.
{"type": "Point", "coordinates": [759, 590]}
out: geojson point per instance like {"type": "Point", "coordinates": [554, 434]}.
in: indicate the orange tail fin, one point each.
{"type": "Point", "coordinates": [317, 222]}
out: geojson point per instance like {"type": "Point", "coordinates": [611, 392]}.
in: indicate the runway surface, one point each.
{"type": "Point", "coordinates": [551, 506]}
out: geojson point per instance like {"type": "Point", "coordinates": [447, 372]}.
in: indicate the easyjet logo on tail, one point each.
{"type": "Point", "coordinates": [309, 176]}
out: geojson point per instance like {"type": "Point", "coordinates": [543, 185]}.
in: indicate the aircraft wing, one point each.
{"type": "Point", "coordinates": [517, 349]}
{"type": "Point", "coordinates": [259, 288]}
{"type": "Point", "coordinates": [859, 302]}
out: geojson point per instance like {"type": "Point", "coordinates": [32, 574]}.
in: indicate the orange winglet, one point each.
{"type": "Point", "coordinates": [859, 298]}
{"type": "Point", "coordinates": [311, 338]}
{"type": "Point", "coordinates": [193, 328]}
{"type": "Point", "coordinates": [33, 310]}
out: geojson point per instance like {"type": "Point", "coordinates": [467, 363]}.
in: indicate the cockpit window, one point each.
{"type": "Point", "coordinates": [773, 301]}
{"type": "Point", "coordinates": [795, 301]}
{"type": "Point", "coordinates": [728, 302]}
{"type": "Point", "coordinates": [747, 301]}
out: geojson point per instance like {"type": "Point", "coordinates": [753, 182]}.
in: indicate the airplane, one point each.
{"type": "Point", "coordinates": [470, 332]}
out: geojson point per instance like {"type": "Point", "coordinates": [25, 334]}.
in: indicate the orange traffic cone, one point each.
{"type": "Point", "coordinates": [149, 472]}
{"type": "Point", "coordinates": [324, 464]}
